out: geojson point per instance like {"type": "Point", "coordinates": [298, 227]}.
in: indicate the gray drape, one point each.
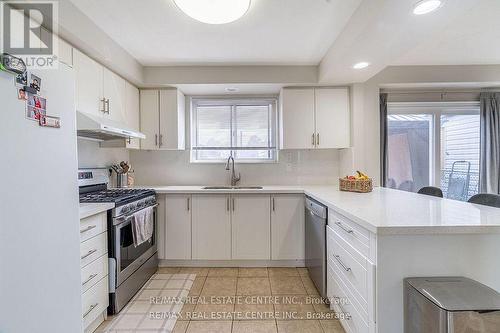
{"type": "Point", "coordinates": [383, 139]}
{"type": "Point", "coordinates": [489, 179]}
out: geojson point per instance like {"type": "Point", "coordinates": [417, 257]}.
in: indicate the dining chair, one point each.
{"type": "Point", "coordinates": [432, 191]}
{"type": "Point", "coordinates": [492, 200]}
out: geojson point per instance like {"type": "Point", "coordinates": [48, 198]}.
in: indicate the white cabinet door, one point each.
{"type": "Point", "coordinates": [211, 222]}
{"type": "Point", "coordinates": [65, 52]}
{"type": "Point", "coordinates": [332, 117]}
{"type": "Point", "coordinates": [297, 118]}
{"type": "Point", "coordinates": [251, 227]}
{"type": "Point", "coordinates": [150, 101]}
{"type": "Point", "coordinates": [172, 118]}
{"type": "Point", "coordinates": [287, 227]}
{"type": "Point", "coordinates": [178, 227]}
{"type": "Point", "coordinates": [114, 92]}
{"type": "Point", "coordinates": [89, 78]}
{"type": "Point", "coordinates": [132, 113]}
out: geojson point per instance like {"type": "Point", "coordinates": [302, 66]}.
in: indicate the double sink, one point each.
{"type": "Point", "coordinates": [233, 188]}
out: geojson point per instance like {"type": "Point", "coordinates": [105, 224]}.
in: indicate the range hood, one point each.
{"type": "Point", "coordinates": [102, 129]}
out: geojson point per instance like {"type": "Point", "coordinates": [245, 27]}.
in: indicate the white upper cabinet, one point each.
{"type": "Point", "coordinates": [163, 119]}
{"type": "Point", "coordinates": [314, 118]}
{"type": "Point", "coordinates": [89, 84]}
{"type": "Point", "coordinates": [114, 93]}
{"type": "Point", "coordinates": [332, 117]}
{"type": "Point", "coordinates": [211, 222]}
{"type": "Point", "coordinates": [65, 53]}
{"type": "Point", "coordinates": [297, 118]}
{"type": "Point", "coordinates": [287, 227]}
{"type": "Point", "coordinates": [251, 232]}
{"type": "Point", "coordinates": [132, 114]}
{"type": "Point", "coordinates": [178, 227]}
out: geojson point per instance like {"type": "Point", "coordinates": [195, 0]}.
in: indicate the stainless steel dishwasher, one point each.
{"type": "Point", "coordinates": [316, 220]}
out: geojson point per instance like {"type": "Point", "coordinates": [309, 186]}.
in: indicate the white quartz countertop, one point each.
{"type": "Point", "coordinates": [385, 211]}
{"type": "Point", "coordinates": [89, 209]}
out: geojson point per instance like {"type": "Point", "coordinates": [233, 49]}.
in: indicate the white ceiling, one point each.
{"type": "Point", "coordinates": [273, 32]}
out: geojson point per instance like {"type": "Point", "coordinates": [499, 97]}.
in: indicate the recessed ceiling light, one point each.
{"type": "Point", "coordinates": [426, 6]}
{"type": "Point", "coordinates": [232, 89]}
{"type": "Point", "coordinates": [361, 65]}
{"type": "Point", "coordinates": [214, 11]}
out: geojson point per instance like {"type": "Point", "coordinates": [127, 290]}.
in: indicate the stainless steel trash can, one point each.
{"type": "Point", "coordinates": [450, 305]}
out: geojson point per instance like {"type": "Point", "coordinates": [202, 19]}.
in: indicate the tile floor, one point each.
{"type": "Point", "coordinates": [227, 300]}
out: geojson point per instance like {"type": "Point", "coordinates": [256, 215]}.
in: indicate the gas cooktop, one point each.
{"type": "Point", "coordinates": [118, 196]}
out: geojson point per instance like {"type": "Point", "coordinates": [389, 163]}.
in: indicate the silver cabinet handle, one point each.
{"type": "Point", "coordinates": [347, 269]}
{"type": "Point", "coordinates": [188, 204]}
{"type": "Point", "coordinates": [103, 101]}
{"type": "Point", "coordinates": [88, 254]}
{"type": "Point", "coordinates": [107, 106]}
{"type": "Point", "coordinates": [89, 279]}
{"type": "Point", "coordinates": [88, 229]}
{"type": "Point", "coordinates": [349, 231]}
{"type": "Point", "coordinates": [161, 140]}
{"type": "Point", "coordinates": [313, 140]}
{"type": "Point", "coordinates": [227, 204]}
{"type": "Point", "coordinates": [233, 204]}
{"type": "Point", "coordinates": [156, 139]}
{"type": "Point", "coordinates": [92, 307]}
{"type": "Point", "coordinates": [317, 139]}
{"type": "Point", "coordinates": [273, 204]}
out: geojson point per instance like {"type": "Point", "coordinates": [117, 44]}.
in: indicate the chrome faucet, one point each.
{"type": "Point", "coordinates": [234, 179]}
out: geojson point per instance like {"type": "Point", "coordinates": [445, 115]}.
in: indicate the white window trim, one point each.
{"type": "Point", "coordinates": [254, 100]}
{"type": "Point", "coordinates": [436, 110]}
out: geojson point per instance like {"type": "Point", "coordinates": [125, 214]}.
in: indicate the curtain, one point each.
{"type": "Point", "coordinates": [489, 179]}
{"type": "Point", "coordinates": [383, 139]}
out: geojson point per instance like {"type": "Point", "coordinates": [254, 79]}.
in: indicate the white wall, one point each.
{"type": "Point", "coordinates": [90, 155]}
{"type": "Point", "coordinates": [294, 167]}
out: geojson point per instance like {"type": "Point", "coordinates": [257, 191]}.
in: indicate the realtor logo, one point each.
{"type": "Point", "coordinates": [29, 30]}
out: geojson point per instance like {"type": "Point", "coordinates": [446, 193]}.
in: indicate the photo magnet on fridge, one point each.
{"type": "Point", "coordinates": [36, 106]}
{"type": "Point", "coordinates": [35, 82]}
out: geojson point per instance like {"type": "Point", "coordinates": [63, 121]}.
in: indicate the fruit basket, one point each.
{"type": "Point", "coordinates": [360, 183]}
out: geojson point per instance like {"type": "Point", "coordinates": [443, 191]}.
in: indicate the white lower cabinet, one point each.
{"type": "Point", "coordinates": [178, 227]}
{"type": "Point", "coordinates": [287, 227]}
{"type": "Point", "coordinates": [94, 271]}
{"type": "Point", "coordinates": [251, 232]}
{"type": "Point", "coordinates": [211, 221]}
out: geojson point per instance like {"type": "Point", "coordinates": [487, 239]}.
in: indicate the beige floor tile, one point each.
{"type": "Point", "coordinates": [331, 326]}
{"type": "Point", "coordinates": [294, 307]}
{"type": "Point", "coordinates": [283, 271]}
{"type": "Point", "coordinates": [287, 285]}
{"type": "Point", "coordinates": [320, 306]}
{"type": "Point", "coordinates": [249, 311]}
{"type": "Point", "coordinates": [253, 272]}
{"type": "Point", "coordinates": [303, 271]}
{"type": "Point", "coordinates": [153, 323]}
{"type": "Point", "coordinates": [213, 312]}
{"type": "Point", "coordinates": [309, 285]}
{"type": "Point", "coordinates": [219, 286]}
{"type": "Point", "coordinates": [199, 271]}
{"type": "Point", "coordinates": [299, 326]}
{"type": "Point", "coordinates": [254, 326]}
{"type": "Point", "coordinates": [186, 313]}
{"type": "Point", "coordinates": [209, 327]}
{"type": "Point", "coordinates": [127, 321]}
{"type": "Point", "coordinates": [225, 272]}
{"type": "Point", "coordinates": [168, 270]}
{"type": "Point", "coordinates": [180, 326]}
{"type": "Point", "coordinates": [197, 286]}
{"type": "Point", "coordinates": [137, 307]}
{"type": "Point", "coordinates": [253, 286]}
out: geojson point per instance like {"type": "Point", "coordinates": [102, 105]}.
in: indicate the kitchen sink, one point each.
{"type": "Point", "coordinates": [233, 188]}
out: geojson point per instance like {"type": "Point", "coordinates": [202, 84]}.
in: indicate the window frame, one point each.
{"type": "Point", "coordinates": [435, 110]}
{"type": "Point", "coordinates": [234, 102]}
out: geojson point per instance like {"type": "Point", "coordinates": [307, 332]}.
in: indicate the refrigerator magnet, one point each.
{"type": "Point", "coordinates": [49, 121]}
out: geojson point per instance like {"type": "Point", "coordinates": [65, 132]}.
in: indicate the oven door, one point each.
{"type": "Point", "coordinates": [128, 257]}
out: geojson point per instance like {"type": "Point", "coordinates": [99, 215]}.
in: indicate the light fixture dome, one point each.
{"type": "Point", "coordinates": [214, 11]}
{"type": "Point", "coordinates": [426, 6]}
{"type": "Point", "coordinates": [361, 65]}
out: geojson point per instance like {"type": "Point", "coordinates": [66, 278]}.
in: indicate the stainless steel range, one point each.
{"type": "Point", "coordinates": [129, 266]}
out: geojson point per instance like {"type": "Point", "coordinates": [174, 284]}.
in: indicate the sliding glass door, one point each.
{"type": "Point", "coordinates": [434, 144]}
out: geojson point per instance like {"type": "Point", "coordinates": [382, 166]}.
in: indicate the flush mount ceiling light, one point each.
{"type": "Point", "coordinates": [231, 89]}
{"type": "Point", "coordinates": [426, 6]}
{"type": "Point", "coordinates": [361, 65]}
{"type": "Point", "coordinates": [214, 11]}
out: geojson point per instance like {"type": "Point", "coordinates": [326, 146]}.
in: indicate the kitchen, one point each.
{"type": "Point", "coordinates": [249, 173]}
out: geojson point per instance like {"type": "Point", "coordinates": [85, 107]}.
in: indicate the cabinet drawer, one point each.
{"type": "Point", "coordinates": [350, 265]}
{"type": "Point", "coordinates": [94, 272]}
{"type": "Point", "coordinates": [355, 235]}
{"type": "Point", "coordinates": [94, 301]}
{"type": "Point", "coordinates": [92, 226]}
{"type": "Point", "coordinates": [342, 302]}
{"type": "Point", "coordinates": [93, 248]}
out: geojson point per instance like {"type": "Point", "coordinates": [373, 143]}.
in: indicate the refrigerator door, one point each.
{"type": "Point", "coordinates": [40, 283]}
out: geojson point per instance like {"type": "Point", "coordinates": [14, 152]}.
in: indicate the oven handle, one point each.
{"type": "Point", "coordinates": [128, 217]}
